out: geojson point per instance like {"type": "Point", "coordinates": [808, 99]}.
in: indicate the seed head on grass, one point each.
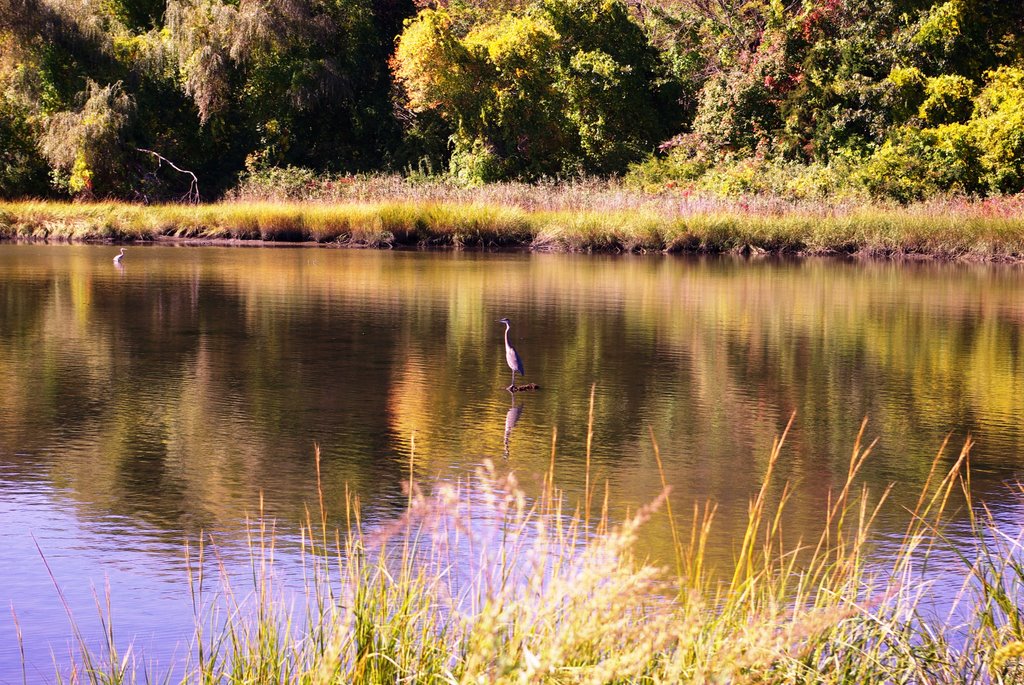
{"type": "Point", "coordinates": [480, 583]}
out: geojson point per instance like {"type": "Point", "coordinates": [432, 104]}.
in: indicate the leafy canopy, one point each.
{"type": "Point", "coordinates": [558, 87]}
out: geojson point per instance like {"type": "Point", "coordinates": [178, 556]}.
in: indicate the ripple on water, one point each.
{"type": "Point", "coordinates": [145, 407]}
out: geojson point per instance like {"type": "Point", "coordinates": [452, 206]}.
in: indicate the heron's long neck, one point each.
{"type": "Point", "coordinates": [506, 333]}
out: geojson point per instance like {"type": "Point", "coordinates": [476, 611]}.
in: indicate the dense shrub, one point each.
{"type": "Point", "coordinates": [998, 126]}
{"type": "Point", "coordinates": [984, 154]}
{"type": "Point", "coordinates": [744, 177]}
{"type": "Point", "coordinates": [680, 165]}
{"type": "Point", "coordinates": [916, 164]}
{"type": "Point", "coordinates": [949, 98]}
{"type": "Point", "coordinates": [906, 92]}
{"type": "Point", "coordinates": [280, 183]}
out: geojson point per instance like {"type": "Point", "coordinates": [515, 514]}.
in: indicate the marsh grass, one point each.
{"type": "Point", "coordinates": [479, 583]}
{"type": "Point", "coordinates": [388, 212]}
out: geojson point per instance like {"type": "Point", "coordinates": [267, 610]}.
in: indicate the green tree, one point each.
{"type": "Point", "coordinates": [23, 171]}
{"type": "Point", "coordinates": [561, 87]}
{"type": "Point", "coordinates": [949, 98]}
{"type": "Point", "coordinates": [998, 126]}
{"type": "Point", "coordinates": [983, 154]}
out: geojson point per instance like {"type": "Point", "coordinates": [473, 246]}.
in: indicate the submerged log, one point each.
{"type": "Point", "coordinates": [523, 388]}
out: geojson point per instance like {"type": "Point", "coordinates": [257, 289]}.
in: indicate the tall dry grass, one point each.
{"type": "Point", "coordinates": [582, 216]}
{"type": "Point", "coordinates": [478, 583]}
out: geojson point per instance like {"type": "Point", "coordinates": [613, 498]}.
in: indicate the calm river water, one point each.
{"type": "Point", "coordinates": [143, 405]}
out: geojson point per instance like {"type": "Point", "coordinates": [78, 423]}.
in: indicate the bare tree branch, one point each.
{"type": "Point", "coordinates": [192, 196]}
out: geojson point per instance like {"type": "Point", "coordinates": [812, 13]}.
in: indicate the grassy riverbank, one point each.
{"type": "Point", "coordinates": [478, 584]}
{"type": "Point", "coordinates": [599, 219]}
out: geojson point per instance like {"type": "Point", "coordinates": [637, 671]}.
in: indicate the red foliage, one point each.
{"type": "Point", "coordinates": [822, 14]}
{"type": "Point", "coordinates": [785, 83]}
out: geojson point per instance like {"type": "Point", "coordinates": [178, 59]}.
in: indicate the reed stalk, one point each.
{"type": "Point", "coordinates": [481, 583]}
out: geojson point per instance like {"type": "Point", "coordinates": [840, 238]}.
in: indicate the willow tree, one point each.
{"type": "Point", "coordinates": [291, 81]}
{"type": "Point", "coordinates": [209, 85]}
{"type": "Point", "coordinates": [40, 45]}
{"type": "Point", "coordinates": [86, 146]}
{"type": "Point", "coordinates": [80, 90]}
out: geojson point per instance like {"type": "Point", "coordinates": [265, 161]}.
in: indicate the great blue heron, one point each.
{"type": "Point", "coordinates": [511, 356]}
{"type": "Point", "coordinates": [118, 258]}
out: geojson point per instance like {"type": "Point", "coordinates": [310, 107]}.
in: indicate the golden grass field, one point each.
{"type": "Point", "coordinates": [543, 219]}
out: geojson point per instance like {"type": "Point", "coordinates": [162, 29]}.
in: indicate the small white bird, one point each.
{"type": "Point", "coordinates": [118, 258]}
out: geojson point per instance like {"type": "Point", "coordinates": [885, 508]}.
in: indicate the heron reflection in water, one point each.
{"type": "Point", "coordinates": [511, 356]}
{"type": "Point", "coordinates": [510, 421]}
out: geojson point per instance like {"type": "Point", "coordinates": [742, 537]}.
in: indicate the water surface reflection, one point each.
{"type": "Point", "coordinates": [145, 404]}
